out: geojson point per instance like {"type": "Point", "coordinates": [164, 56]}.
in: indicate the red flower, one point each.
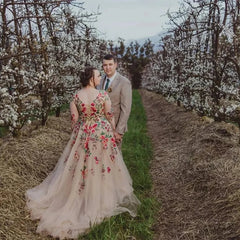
{"type": "Point", "coordinates": [93, 109]}
{"type": "Point", "coordinates": [84, 173]}
{"type": "Point", "coordinates": [92, 104]}
{"type": "Point", "coordinates": [108, 169]}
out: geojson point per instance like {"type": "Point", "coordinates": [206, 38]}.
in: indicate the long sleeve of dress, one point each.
{"type": "Point", "coordinates": [74, 113]}
{"type": "Point", "coordinates": [108, 111]}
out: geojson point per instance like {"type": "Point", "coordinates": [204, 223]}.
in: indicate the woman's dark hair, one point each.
{"type": "Point", "coordinates": [87, 75]}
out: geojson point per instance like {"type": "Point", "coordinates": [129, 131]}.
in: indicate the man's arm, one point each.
{"type": "Point", "coordinates": [125, 107]}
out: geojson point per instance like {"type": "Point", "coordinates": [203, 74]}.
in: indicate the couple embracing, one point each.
{"type": "Point", "coordinates": [90, 182]}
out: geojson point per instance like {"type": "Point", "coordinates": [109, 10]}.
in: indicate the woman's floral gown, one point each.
{"type": "Point", "coordinates": [90, 181]}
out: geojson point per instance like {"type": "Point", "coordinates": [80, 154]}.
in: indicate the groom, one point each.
{"type": "Point", "coordinates": [120, 92]}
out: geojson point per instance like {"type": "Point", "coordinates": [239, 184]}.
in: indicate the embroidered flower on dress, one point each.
{"type": "Point", "coordinates": [96, 160]}
{"type": "Point", "coordinates": [112, 157]}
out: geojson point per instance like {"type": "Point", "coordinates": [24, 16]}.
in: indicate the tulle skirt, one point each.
{"type": "Point", "coordinates": [89, 183]}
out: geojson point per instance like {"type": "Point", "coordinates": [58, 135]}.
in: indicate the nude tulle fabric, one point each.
{"type": "Point", "coordinates": [90, 181]}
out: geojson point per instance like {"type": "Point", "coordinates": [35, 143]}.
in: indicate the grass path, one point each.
{"type": "Point", "coordinates": [137, 154]}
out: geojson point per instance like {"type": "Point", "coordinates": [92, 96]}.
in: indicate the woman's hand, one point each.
{"type": "Point", "coordinates": [118, 136]}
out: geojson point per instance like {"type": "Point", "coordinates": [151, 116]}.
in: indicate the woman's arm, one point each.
{"type": "Point", "coordinates": [74, 113]}
{"type": "Point", "coordinates": [108, 111]}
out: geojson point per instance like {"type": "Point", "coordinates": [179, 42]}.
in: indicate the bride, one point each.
{"type": "Point", "coordinates": [90, 181]}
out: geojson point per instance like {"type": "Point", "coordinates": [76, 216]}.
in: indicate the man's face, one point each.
{"type": "Point", "coordinates": [109, 67]}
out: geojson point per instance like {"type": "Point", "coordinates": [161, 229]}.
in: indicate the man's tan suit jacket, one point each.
{"type": "Point", "coordinates": [120, 93]}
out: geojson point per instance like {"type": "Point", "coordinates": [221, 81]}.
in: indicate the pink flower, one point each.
{"type": "Point", "coordinates": [96, 160]}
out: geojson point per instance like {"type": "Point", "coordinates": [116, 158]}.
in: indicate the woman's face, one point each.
{"type": "Point", "coordinates": [97, 77]}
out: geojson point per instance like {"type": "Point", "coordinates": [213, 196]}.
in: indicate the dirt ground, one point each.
{"type": "Point", "coordinates": [195, 173]}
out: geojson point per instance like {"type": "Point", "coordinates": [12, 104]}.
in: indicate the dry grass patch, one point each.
{"type": "Point", "coordinates": [196, 173]}
{"type": "Point", "coordinates": [24, 163]}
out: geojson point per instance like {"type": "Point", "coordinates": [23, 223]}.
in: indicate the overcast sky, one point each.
{"type": "Point", "coordinates": [131, 19]}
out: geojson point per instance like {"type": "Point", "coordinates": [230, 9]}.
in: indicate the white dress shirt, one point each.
{"type": "Point", "coordinates": [111, 79]}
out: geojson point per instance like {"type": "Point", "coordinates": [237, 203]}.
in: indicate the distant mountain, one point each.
{"type": "Point", "coordinates": [154, 39]}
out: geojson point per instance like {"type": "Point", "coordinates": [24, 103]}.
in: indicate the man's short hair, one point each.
{"type": "Point", "coordinates": [110, 57]}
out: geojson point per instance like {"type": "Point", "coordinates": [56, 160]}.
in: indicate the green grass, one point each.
{"type": "Point", "coordinates": [3, 131]}
{"type": "Point", "coordinates": [137, 154]}
{"type": "Point", "coordinates": [63, 108]}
